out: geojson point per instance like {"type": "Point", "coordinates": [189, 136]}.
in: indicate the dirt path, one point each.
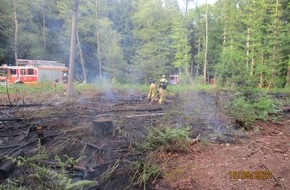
{"type": "Point", "coordinates": [208, 166]}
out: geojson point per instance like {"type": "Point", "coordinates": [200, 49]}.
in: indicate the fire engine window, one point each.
{"type": "Point", "coordinates": [13, 71]}
{"type": "Point", "coordinates": [23, 71]}
{"type": "Point", "coordinates": [30, 71]}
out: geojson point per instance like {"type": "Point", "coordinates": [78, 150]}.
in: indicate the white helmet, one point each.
{"type": "Point", "coordinates": [163, 76]}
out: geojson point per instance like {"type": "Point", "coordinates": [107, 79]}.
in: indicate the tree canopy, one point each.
{"type": "Point", "coordinates": [240, 43]}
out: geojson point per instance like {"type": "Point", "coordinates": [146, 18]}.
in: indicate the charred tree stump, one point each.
{"type": "Point", "coordinates": [103, 127]}
{"type": "Point", "coordinates": [8, 166]}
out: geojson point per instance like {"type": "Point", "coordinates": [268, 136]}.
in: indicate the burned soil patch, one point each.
{"type": "Point", "coordinates": [102, 130]}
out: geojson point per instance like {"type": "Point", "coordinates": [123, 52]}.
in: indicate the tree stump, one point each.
{"type": "Point", "coordinates": [103, 127]}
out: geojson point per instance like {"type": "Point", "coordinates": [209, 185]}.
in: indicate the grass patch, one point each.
{"type": "Point", "coordinates": [144, 171]}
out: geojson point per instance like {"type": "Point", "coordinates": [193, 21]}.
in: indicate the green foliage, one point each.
{"type": "Point", "coordinates": [242, 111]}
{"type": "Point", "coordinates": [69, 161]}
{"type": "Point", "coordinates": [12, 185]}
{"type": "Point", "coordinates": [144, 171]}
{"type": "Point", "coordinates": [49, 179]}
{"type": "Point", "coordinates": [248, 107]}
{"type": "Point", "coordinates": [169, 139]}
{"type": "Point", "coordinates": [151, 30]}
{"type": "Point", "coordinates": [248, 44]}
{"type": "Point", "coordinates": [44, 177]}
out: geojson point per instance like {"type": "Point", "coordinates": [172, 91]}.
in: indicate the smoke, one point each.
{"type": "Point", "coordinates": [208, 119]}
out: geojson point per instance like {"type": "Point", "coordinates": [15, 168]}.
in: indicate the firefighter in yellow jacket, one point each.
{"type": "Point", "coordinates": [162, 88]}
{"type": "Point", "coordinates": [152, 88]}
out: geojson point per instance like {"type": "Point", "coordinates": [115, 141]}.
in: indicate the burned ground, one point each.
{"type": "Point", "coordinates": [103, 127]}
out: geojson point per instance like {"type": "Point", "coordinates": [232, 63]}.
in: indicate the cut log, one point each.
{"type": "Point", "coordinates": [8, 166]}
{"type": "Point", "coordinates": [103, 127]}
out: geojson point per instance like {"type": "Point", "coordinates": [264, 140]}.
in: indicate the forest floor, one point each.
{"type": "Point", "coordinates": [76, 128]}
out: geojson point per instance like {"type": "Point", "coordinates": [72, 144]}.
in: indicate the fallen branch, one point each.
{"type": "Point", "coordinates": [85, 143]}
{"type": "Point", "coordinates": [21, 105]}
{"type": "Point", "coordinates": [91, 145]}
{"type": "Point", "coordinates": [146, 115]}
{"type": "Point", "coordinates": [67, 166]}
{"type": "Point", "coordinates": [10, 146]}
{"type": "Point", "coordinates": [29, 143]}
{"type": "Point", "coordinates": [154, 99]}
{"type": "Point", "coordinates": [192, 141]}
{"type": "Point", "coordinates": [253, 152]}
{"type": "Point", "coordinates": [134, 109]}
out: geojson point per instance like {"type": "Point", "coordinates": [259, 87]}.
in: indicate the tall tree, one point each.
{"type": "Point", "coordinates": [151, 30]}
{"type": "Point", "coordinates": [15, 33]}
{"type": "Point", "coordinates": [206, 44]}
{"type": "Point", "coordinates": [72, 49]}
{"type": "Point", "coordinates": [43, 27]}
{"type": "Point", "coordinates": [82, 59]}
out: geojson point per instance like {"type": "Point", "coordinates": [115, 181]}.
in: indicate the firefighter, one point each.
{"type": "Point", "coordinates": [152, 88]}
{"type": "Point", "coordinates": [162, 88]}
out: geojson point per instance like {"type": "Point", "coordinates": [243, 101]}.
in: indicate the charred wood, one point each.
{"type": "Point", "coordinates": [21, 105]}
{"type": "Point", "coordinates": [11, 119]}
{"type": "Point", "coordinates": [8, 166]}
{"type": "Point", "coordinates": [136, 109]}
{"type": "Point", "coordinates": [30, 143]}
{"type": "Point", "coordinates": [10, 146]}
{"type": "Point", "coordinates": [102, 127]}
{"type": "Point", "coordinates": [85, 143]}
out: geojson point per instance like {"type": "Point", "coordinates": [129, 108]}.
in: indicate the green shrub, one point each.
{"type": "Point", "coordinates": [266, 106]}
{"type": "Point", "coordinates": [169, 139]}
{"type": "Point", "coordinates": [249, 107]}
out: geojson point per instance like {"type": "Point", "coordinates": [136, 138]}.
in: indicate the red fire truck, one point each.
{"type": "Point", "coordinates": [33, 71]}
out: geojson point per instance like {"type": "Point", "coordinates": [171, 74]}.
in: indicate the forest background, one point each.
{"type": "Point", "coordinates": [241, 43]}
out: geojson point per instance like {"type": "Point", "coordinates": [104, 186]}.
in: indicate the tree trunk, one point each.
{"type": "Point", "coordinates": [224, 39]}
{"type": "Point", "coordinates": [99, 55]}
{"type": "Point", "coordinates": [82, 59]}
{"type": "Point", "coordinates": [206, 43]}
{"type": "Point", "coordinates": [98, 43]}
{"type": "Point", "coordinates": [252, 64]}
{"type": "Point", "coordinates": [186, 46]}
{"type": "Point", "coordinates": [198, 61]}
{"type": "Point", "coordinates": [226, 16]}
{"type": "Point", "coordinates": [261, 83]}
{"type": "Point", "coordinates": [72, 49]}
{"type": "Point", "coordinates": [248, 48]}
{"type": "Point", "coordinates": [15, 33]}
{"type": "Point", "coordinates": [275, 52]}
{"type": "Point", "coordinates": [43, 29]}
{"type": "Point", "coordinates": [186, 67]}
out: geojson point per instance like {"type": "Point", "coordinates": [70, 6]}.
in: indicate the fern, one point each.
{"type": "Point", "coordinates": [45, 178]}
{"type": "Point", "coordinates": [168, 137]}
